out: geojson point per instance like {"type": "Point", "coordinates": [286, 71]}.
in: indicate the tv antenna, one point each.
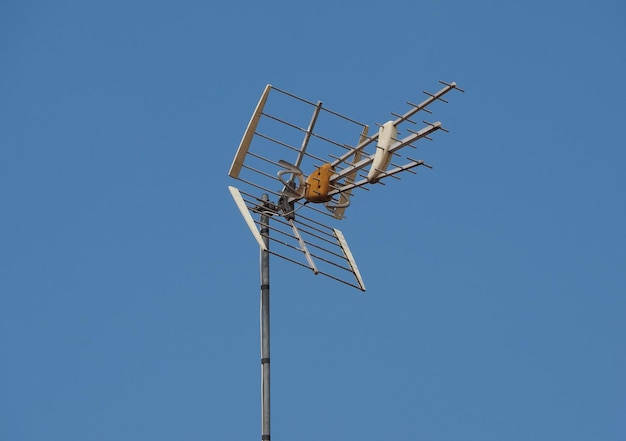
{"type": "Point", "coordinates": [303, 179]}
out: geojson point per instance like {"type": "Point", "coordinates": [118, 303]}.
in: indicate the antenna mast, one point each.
{"type": "Point", "coordinates": [312, 177]}
{"type": "Point", "coordinates": [265, 320]}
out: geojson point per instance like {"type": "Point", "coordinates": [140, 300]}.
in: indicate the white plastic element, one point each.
{"type": "Point", "coordinates": [339, 208]}
{"type": "Point", "coordinates": [242, 151]}
{"type": "Point", "coordinates": [303, 247]}
{"type": "Point", "coordinates": [386, 137]}
{"type": "Point", "coordinates": [246, 216]}
{"type": "Point", "coordinates": [397, 145]}
{"type": "Point", "coordinates": [348, 254]}
{"type": "Point", "coordinates": [295, 173]}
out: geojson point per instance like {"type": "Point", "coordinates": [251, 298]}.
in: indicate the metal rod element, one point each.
{"type": "Point", "coordinates": [417, 105]}
{"type": "Point", "coordinates": [307, 135]}
{"type": "Point", "coordinates": [452, 85]}
{"type": "Point", "coordinates": [440, 128]}
{"type": "Point", "coordinates": [282, 121]}
{"type": "Point", "coordinates": [265, 321]}
{"type": "Point", "coordinates": [436, 97]}
{"type": "Point", "coordinates": [400, 116]}
{"type": "Point", "coordinates": [419, 162]}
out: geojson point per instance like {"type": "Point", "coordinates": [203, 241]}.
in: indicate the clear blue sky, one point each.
{"type": "Point", "coordinates": [496, 305]}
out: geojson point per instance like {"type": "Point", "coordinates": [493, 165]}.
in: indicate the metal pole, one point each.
{"type": "Point", "coordinates": [265, 323]}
